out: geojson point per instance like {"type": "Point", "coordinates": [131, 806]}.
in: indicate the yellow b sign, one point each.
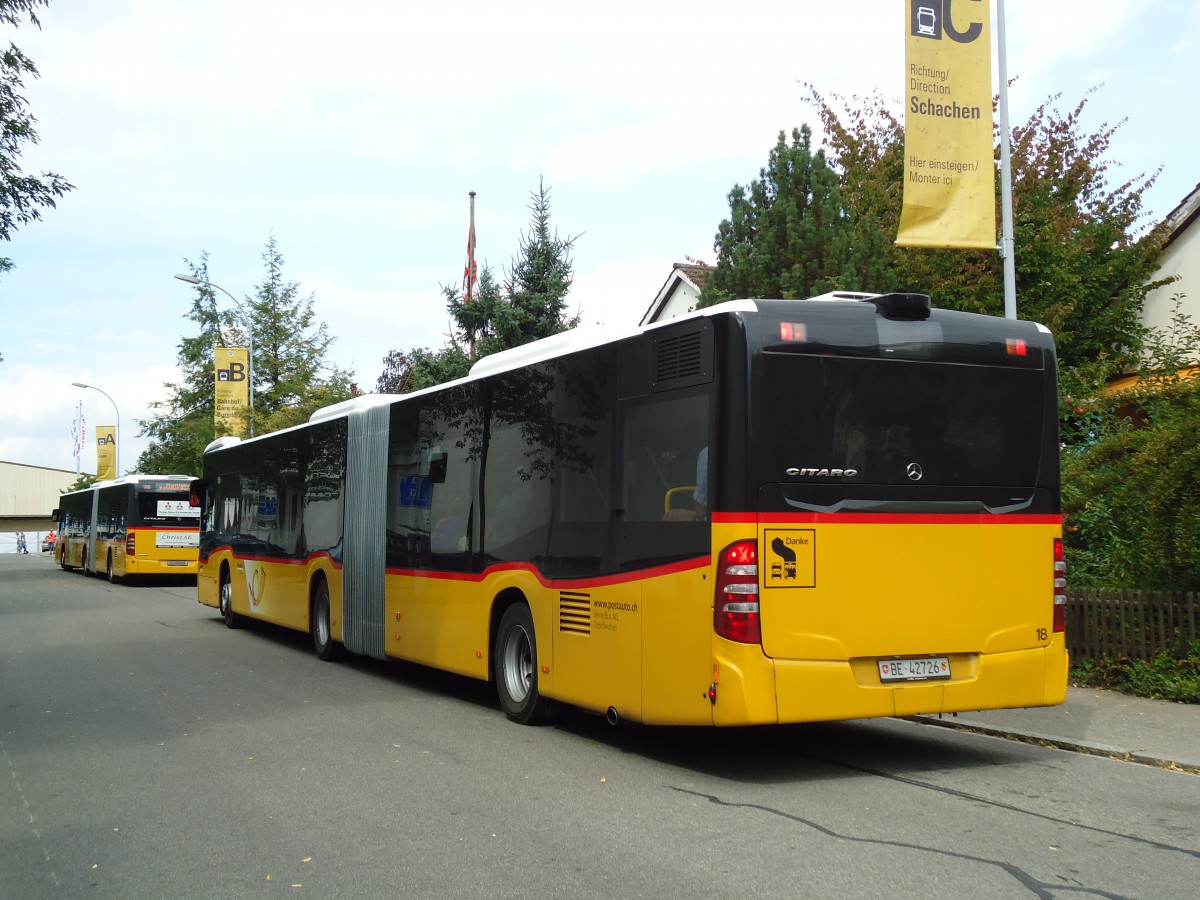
{"type": "Point", "coordinates": [232, 374]}
{"type": "Point", "coordinates": [949, 174]}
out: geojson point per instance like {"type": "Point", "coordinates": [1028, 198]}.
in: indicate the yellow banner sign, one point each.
{"type": "Point", "coordinates": [106, 452]}
{"type": "Point", "coordinates": [232, 389]}
{"type": "Point", "coordinates": [949, 174]}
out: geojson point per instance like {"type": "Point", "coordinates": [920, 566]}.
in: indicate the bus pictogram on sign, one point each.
{"type": "Point", "coordinates": [790, 558]}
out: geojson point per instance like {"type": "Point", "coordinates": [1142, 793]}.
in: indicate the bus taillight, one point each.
{"type": "Point", "coordinates": [131, 544]}
{"type": "Point", "coordinates": [1060, 587]}
{"type": "Point", "coordinates": [735, 606]}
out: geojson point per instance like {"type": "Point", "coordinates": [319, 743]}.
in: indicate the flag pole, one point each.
{"type": "Point", "coordinates": [471, 252]}
{"type": "Point", "coordinates": [469, 274]}
{"type": "Point", "coordinates": [1007, 242]}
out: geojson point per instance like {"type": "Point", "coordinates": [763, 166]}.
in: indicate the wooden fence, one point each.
{"type": "Point", "coordinates": [1133, 624]}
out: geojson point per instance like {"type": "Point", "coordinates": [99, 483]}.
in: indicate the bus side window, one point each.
{"type": "Point", "coordinates": [665, 443]}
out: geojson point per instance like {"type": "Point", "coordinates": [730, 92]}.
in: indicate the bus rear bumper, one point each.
{"type": "Point", "coordinates": [814, 690]}
{"type": "Point", "coordinates": [160, 566]}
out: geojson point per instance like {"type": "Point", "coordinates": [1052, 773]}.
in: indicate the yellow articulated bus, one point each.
{"type": "Point", "coordinates": [766, 511]}
{"type": "Point", "coordinates": [131, 526]}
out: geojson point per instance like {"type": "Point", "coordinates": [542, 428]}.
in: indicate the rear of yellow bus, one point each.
{"type": "Point", "coordinates": [163, 534]}
{"type": "Point", "coordinates": [894, 546]}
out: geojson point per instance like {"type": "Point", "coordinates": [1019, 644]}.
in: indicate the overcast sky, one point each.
{"type": "Point", "coordinates": [353, 132]}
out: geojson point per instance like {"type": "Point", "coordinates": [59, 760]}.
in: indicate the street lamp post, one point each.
{"type": "Point", "coordinates": [192, 279]}
{"type": "Point", "coordinates": [80, 384]}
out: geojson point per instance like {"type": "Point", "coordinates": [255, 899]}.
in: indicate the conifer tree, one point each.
{"type": "Point", "coordinates": [530, 304]}
{"type": "Point", "coordinates": [790, 233]}
{"type": "Point", "coordinates": [291, 376]}
{"type": "Point", "coordinates": [184, 423]}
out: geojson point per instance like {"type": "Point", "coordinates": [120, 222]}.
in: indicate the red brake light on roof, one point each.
{"type": "Point", "coordinates": [793, 331]}
{"type": "Point", "coordinates": [1016, 347]}
{"type": "Point", "coordinates": [735, 604]}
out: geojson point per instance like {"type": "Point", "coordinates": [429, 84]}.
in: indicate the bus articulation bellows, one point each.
{"type": "Point", "coordinates": [766, 511]}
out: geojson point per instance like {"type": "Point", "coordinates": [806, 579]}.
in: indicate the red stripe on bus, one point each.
{"type": "Point", "coordinates": [809, 518]}
{"type": "Point", "coordinates": [324, 554]}
{"type": "Point", "coordinates": [687, 565]}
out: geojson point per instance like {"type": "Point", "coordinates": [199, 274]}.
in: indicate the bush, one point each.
{"type": "Point", "coordinates": [1162, 678]}
{"type": "Point", "coordinates": [1131, 472]}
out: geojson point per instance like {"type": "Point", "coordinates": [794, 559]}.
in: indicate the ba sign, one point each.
{"type": "Point", "coordinates": [231, 366]}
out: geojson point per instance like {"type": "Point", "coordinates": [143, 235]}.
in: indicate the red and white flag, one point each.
{"type": "Point", "coordinates": [470, 273]}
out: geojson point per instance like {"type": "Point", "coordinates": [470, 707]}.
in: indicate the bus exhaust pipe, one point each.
{"type": "Point", "coordinates": [613, 717]}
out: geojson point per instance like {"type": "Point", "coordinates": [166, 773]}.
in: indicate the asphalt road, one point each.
{"type": "Point", "coordinates": [148, 752]}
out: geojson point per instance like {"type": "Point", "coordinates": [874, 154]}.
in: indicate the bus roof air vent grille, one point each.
{"type": "Point", "coordinates": [681, 356]}
{"type": "Point", "coordinates": [903, 306]}
{"type": "Point", "coordinates": [678, 356]}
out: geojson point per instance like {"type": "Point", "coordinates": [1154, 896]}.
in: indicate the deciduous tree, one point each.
{"type": "Point", "coordinates": [22, 196]}
{"type": "Point", "coordinates": [1085, 260]}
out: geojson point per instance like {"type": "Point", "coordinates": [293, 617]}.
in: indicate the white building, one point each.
{"type": "Point", "coordinates": [1181, 260]}
{"type": "Point", "coordinates": [27, 496]}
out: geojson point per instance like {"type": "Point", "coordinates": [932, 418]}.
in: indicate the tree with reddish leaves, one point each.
{"type": "Point", "coordinates": [1085, 260]}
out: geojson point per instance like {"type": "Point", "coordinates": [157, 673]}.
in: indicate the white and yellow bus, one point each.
{"type": "Point", "coordinates": [131, 526]}
{"type": "Point", "coordinates": [766, 511]}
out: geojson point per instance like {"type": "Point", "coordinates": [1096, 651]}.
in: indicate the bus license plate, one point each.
{"type": "Point", "coordinates": [929, 668]}
{"type": "Point", "coordinates": [177, 562]}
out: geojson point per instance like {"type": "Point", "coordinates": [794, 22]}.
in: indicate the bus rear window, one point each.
{"type": "Point", "coordinates": [169, 508]}
{"type": "Point", "coordinates": [902, 422]}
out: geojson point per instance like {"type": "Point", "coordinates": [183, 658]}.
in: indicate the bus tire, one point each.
{"type": "Point", "coordinates": [225, 599]}
{"type": "Point", "coordinates": [83, 564]}
{"type": "Point", "coordinates": [62, 561]}
{"type": "Point", "coordinates": [515, 661]}
{"type": "Point", "coordinates": [326, 647]}
{"type": "Point", "coordinates": [112, 576]}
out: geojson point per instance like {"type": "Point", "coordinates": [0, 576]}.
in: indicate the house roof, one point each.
{"type": "Point", "coordinates": [1178, 219]}
{"type": "Point", "coordinates": [692, 273]}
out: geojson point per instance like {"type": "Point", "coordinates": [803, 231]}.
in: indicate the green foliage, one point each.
{"type": "Point", "coordinates": [1162, 678]}
{"type": "Point", "coordinates": [291, 377]}
{"type": "Point", "coordinates": [184, 424]}
{"type": "Point", "coordinates": [21, 196]}
{"type": "Point", "coordinates": [1083, 267]}
{"type": "Point", "coordinates": [404, 372]}
{"type": "Point", "coordinates": [529, 305]}
{"type": "Point", "coordinates": [81, 481]}
{"type": "Point", "coordinates": [538, 283]}
{"type": "Point", "coordinates": [791, 234]}
{"type": "Point", "coordinates": [1130, 485]}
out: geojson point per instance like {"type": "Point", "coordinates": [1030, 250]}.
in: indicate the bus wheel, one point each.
{"type": "Point", "coordinates": [515, 659]}
{"type": "Point", "coordinates": [112, 576]}
{"type": "Point", "coordinates": [62, 561]}
{"type": "Point", "coordinates": [327, 648]}
{"type": "Point", "coordinates": [232, 619]}
{"type": "Point", "coordinates": [83, 563]}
